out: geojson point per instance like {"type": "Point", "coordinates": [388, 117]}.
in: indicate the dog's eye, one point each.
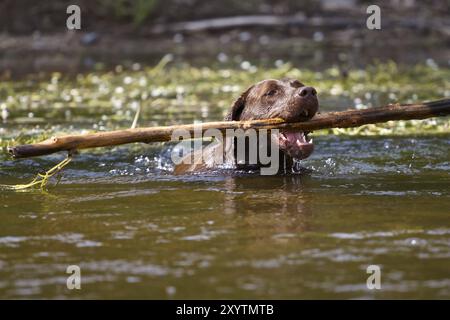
{"type": "Point", "coordinates": [271, 93]}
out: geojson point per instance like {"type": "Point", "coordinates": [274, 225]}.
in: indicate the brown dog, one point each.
{"type": "Point", "coordinates": [288, 99]}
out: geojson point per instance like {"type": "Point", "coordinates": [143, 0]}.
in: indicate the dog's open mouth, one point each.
{"type": "Point", "coordinates": [296, 144]}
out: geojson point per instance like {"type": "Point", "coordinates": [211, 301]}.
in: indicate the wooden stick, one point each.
{"type": "Point", "coordinates": [344, 119]}
{"type": "Point", "coordinates": [299, 21]}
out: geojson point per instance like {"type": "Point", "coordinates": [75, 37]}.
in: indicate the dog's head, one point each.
{"type": "Point", "coordinates": [287, 99]}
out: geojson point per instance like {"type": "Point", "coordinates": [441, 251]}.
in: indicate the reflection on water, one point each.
{"type": "Point", "coordinates": [137, 231]}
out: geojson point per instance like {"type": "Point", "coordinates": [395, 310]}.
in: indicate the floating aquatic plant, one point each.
{"type": "Point", "coordinates": [42, 179]}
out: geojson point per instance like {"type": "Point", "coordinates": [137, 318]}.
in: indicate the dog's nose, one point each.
{"type": "Point", "coordinates": [307, 91]}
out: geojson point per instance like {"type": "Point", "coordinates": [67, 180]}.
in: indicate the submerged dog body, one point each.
{"type": "Point", "coordinates": [287, 99]}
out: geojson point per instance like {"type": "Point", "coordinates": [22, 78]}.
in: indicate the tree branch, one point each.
{"type": "Point", "coordinates": [299, 21]}
{"type": "Point", "coordinates": [343, 119]}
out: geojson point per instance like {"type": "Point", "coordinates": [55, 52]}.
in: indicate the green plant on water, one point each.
{"type": "Point", "coordinates": [172, 93]}
{"type": "Point", "coordinates": [42, 179]}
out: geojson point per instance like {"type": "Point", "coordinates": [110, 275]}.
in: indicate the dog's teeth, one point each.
{"type": "Point", "coordinates": [306, 112]}
{"type": "Point", "coordinates": [311, 140]}
{"type": "Point", "coordinates": [303, 137]}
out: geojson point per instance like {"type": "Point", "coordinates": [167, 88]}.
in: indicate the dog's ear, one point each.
{"type": "Point", "coordinates": [238, 106]}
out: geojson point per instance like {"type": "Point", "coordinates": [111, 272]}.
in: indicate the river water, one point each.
{"type": "Point", "coordinates": [138, 231]}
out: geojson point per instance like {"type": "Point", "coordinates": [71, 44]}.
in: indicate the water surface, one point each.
{"type": "Point", "coordinates": [138, 231]}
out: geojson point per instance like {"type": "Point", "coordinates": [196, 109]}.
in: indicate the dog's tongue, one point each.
{"type": "Point", "coordinates": [296, 145]}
